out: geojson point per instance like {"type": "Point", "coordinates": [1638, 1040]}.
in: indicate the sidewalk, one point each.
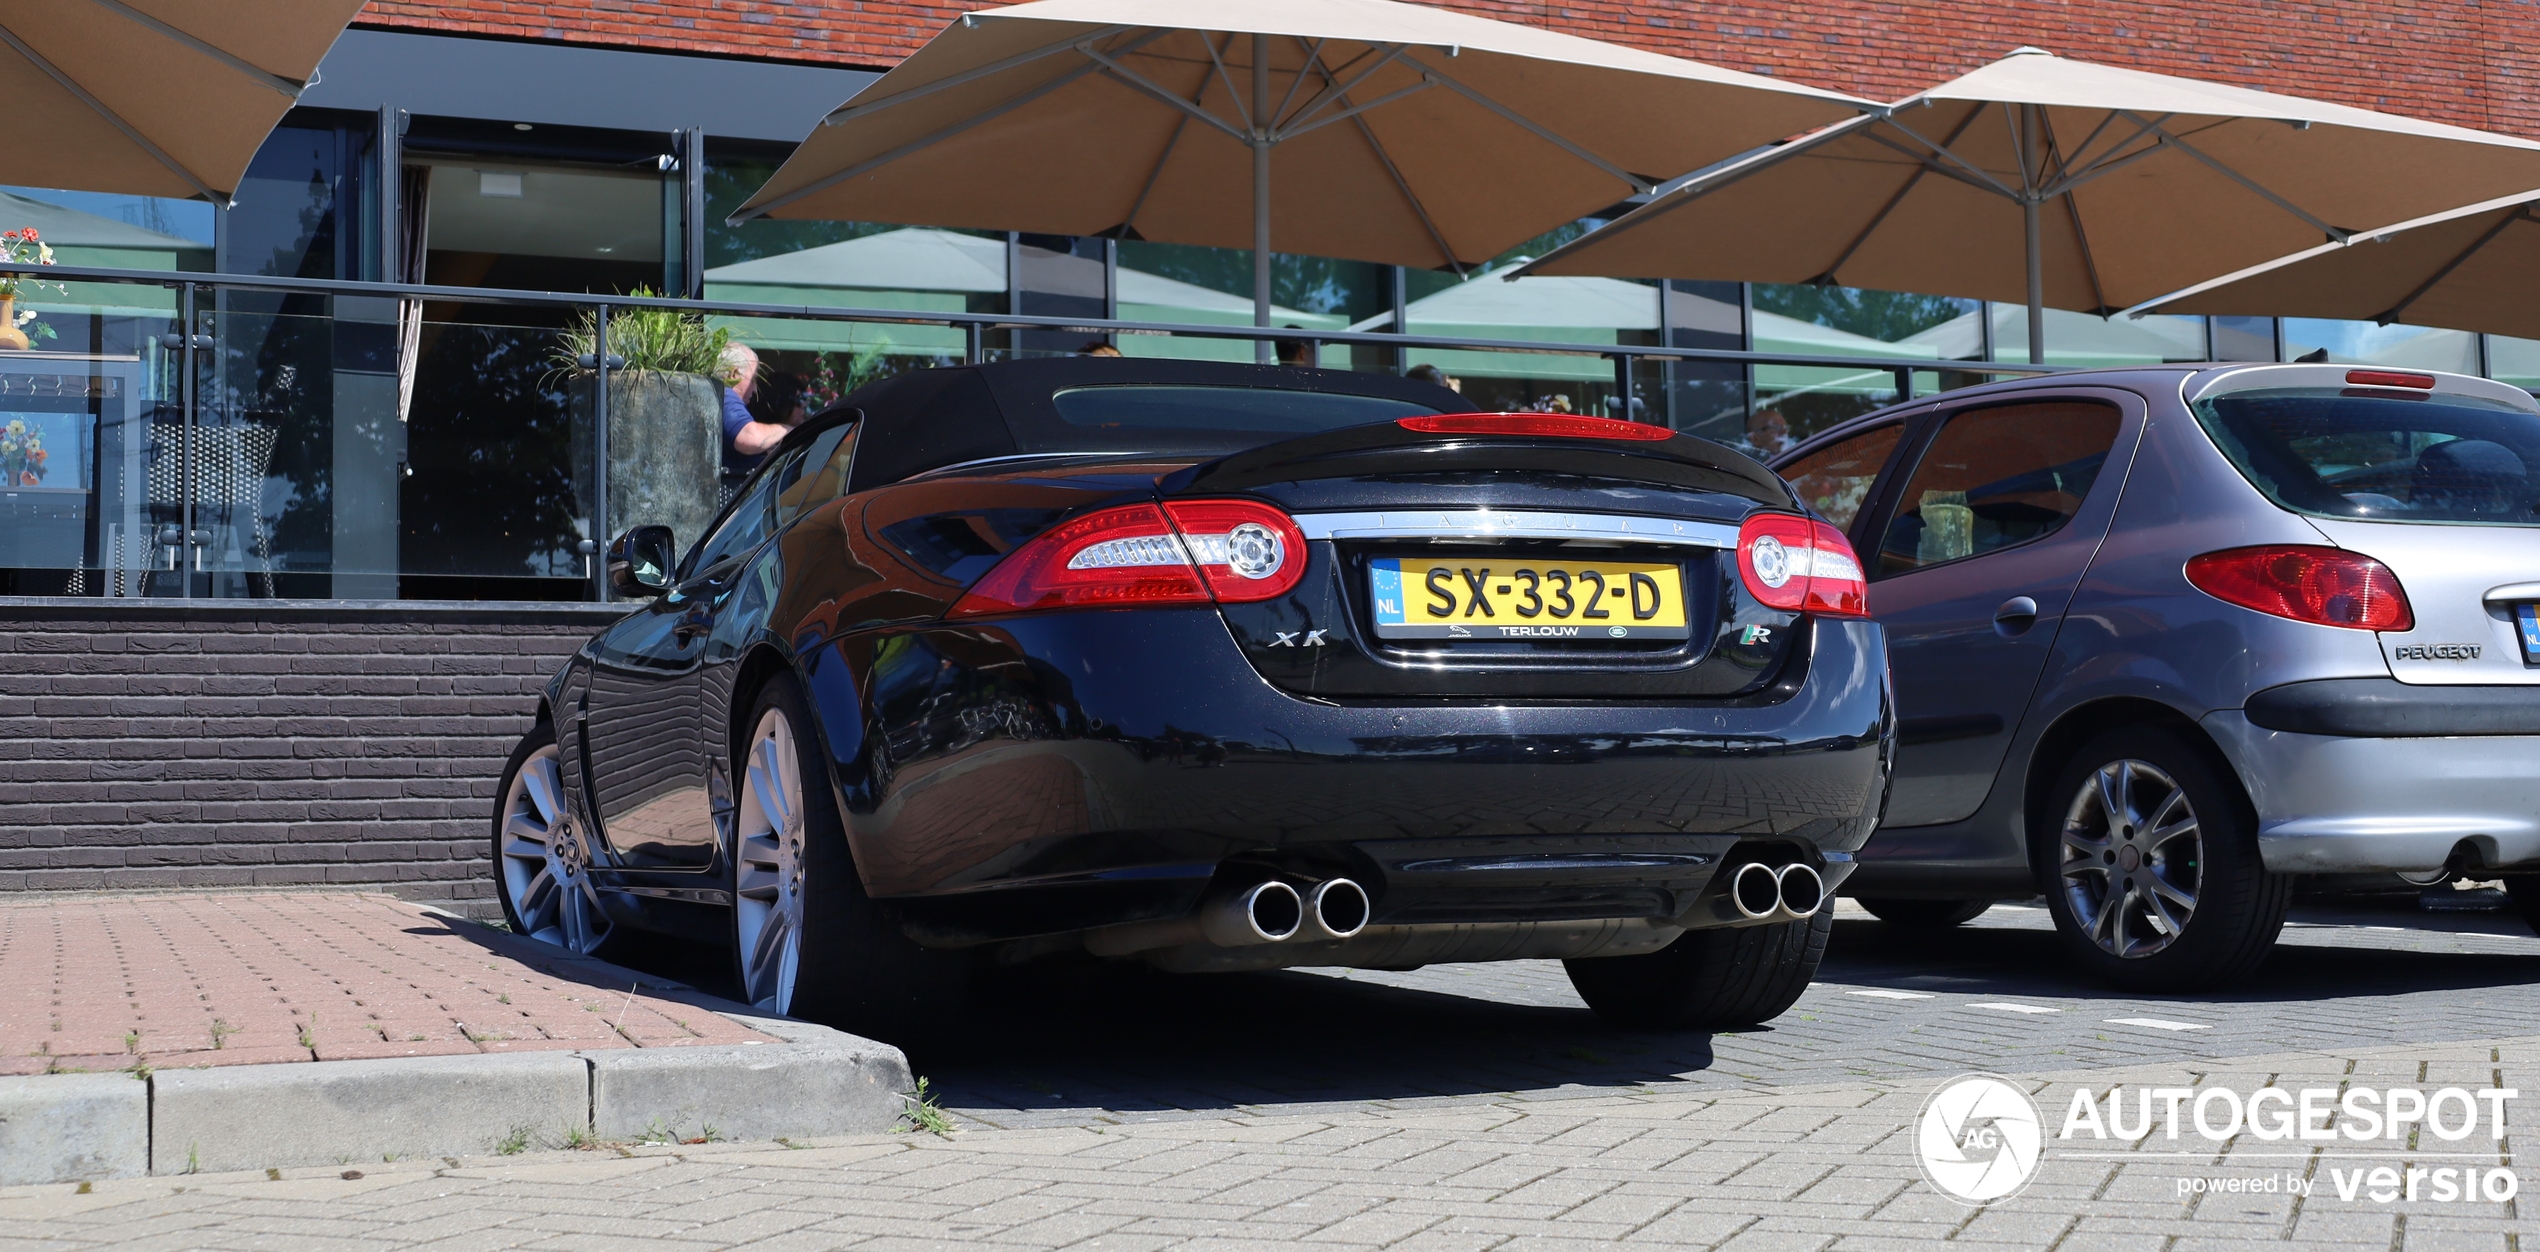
{"type": "Point", "coordinates": [182, 1033]}
{"type": "Point", "coordinates": [186, 981]}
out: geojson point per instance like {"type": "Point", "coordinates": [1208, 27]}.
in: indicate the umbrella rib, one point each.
{"type": "Point", "coordinates": [223, 55]}
{"type": "Point", "coordinates": [1386, 159]}
{"type": "Point", "coordinates": [852, 110]}
{"type": "Point", "coordinates": [1912, 181]}
{"type": "Point", "coordinates": [2252, 184]}
{"type": "Point", "coordinates": [1313, 57]}
{"type": "Point", "coordinates": [2394, 312]}
{"type": "Point", "coordinates": [2077, 171]}
{"type": "Point", "coordinates": [1156, 175]}
{"type": "Point", "coordinates": [116, 119]}
{"type": "Point", "coordinates": [1296, 124]}
{"type": "Point", "coordinates": [1639, 185]}
{"type": "Point", "coordinates": [1148, 85]}
{"type": "Point", "coordinates": [2072, 209]}
{"type": "Point", "coordinates": [1979, 181]}
{"type": "Point", "coordinates": [1232, 95]}
{"type": "Point", "coordinates": [864, 167]}
{"type": "Point", "coordinates": [1354, 110]}
{"type": "Point", "coordinates": [1731, 171]}
{"type": "Point", "coordinates": [1980, 177]}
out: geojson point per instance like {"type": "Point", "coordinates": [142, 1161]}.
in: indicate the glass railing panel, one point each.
{"type": "Point", "coordinates": [78, 404]}
{"type": "Point", "coordinates": [2082, 340]}
{"type": "Point", "coordinates": [2369, 343]}
{"type": "Point", "coordinates": [2516, 361]}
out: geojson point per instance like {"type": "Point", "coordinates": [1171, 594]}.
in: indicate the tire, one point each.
{"type": "Point", "coordinates": [807, 941]}
{"type": "Point", "coordinates": [1709, 979]}
{"type": "Point", "coordinates": [2117, 901]}
{"type": "Point", "coordinates": [2524, 891]}
{"type": "Point", "coordinates": [1924, 914]}
{"type": "Point", "coordinates": [542, 859]}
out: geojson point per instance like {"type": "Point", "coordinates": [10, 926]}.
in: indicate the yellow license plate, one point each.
{"type": "Point", "coordinates": [1468, 598]}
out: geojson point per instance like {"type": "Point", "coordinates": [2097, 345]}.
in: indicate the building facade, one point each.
{"type": "Point", "coordinates": [293, 560]}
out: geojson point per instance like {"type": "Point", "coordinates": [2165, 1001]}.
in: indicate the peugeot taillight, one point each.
{"type": "Point", "coordinates": [1801, 564]}
{"type": "Point", "coordinates": [1562, 425]}
{"type": "Point", "coordinates": [1133, 556]}
{"type": "Point", "coordinates": [2307, 583]}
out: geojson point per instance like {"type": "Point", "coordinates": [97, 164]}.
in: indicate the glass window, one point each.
{"type": "Point", "coordinates": [1793, 402]}
{"type": "Point", "coordinates": [1994, 478]}
{"type": "Point", "coordinates": [113, 231]}
{"type": "Point", "coordinates": [1591, 312]}
{"type": "Point", "coordinates": [2085, 340]}
{"type": "Point", "coordinates": [865, 265]}
{"type": "Point", "coordinates": [816, 477]}
{"type": "Point", "coordinates": [2369, 343]}
{"type": "Point", "coordinates": [2321, 451]}
{"type": "Point", "coordinates": [1167, 282]}
{"type": "Point", "coordinates": [750, 520]}
{"type": "Point", "coordinates": [1835, 479]}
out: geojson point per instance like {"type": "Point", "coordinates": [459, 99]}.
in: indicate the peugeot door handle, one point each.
{"type": "Point", "coordinates": [2016, 614]}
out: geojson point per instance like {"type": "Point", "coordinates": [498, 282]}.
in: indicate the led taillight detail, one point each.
{"type": "Point", "coordinates": [1564, 425]}
{"type": "Point", "coordinates": [1246, 550]}
{"type": "Point", "coordinates": [1133, 557]}
{"type": "Point", "coordinates": [2389, 378]}
{"type": "Point", "coordinates": [2307, 583]}
{"type": "Point", "coordinates": [1802, 565]}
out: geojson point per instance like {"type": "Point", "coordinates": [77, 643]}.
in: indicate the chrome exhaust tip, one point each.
{"type": "Point", "coordinates": [1803, 892]}
{"type": "Point", "coordinates": [1334, 909]}
{"type": "Point", "coordinates": [1756, 891]}
{"type": "Point", "coordinates": [1262, 913]}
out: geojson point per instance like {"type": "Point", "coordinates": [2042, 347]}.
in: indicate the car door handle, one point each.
{"type": "Point", "coordinates": [2016, 614]}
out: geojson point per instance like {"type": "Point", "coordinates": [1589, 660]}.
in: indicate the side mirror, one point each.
{"type": "Point", "coordinates": [640, 562]}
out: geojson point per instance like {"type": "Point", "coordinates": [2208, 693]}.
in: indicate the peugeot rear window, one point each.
{"type": "Point", "coordinates": [1177, 418]}
{"type": "Point", "coordinates": [2386, 458]}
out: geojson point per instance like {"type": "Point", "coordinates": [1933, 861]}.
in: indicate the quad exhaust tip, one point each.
{"type": "Point", "coordinates": [1790, 892]}
{"type": "Point", "coordinates": [1267, 912]}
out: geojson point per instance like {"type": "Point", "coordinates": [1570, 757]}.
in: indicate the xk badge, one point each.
{"type": "Point", "coordinates": [1288, 639]}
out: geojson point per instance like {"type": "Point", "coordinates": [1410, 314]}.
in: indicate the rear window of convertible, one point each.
{"type": "Point", "coordinates": [2384, 458]}
{"type": "Point", "coordinates": [1179, 418]}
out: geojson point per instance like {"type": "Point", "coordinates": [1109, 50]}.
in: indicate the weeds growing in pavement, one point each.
{"type": "Point", "coordinates": [923, 1113]}
{"type": "Point", "coordinates": [576, 1137]}
{"type": "Point", "coordinates": [194, 1158]}
{"type": "Point", "coordinates": [514, 1143]}
{"type": "Point", "coordinates": [221, 1031]}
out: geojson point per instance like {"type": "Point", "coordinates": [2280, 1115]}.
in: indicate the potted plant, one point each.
{"type": "Point", "coordinates": [23, 247]}
{"type": "Point", "coordinates": [665, 428]}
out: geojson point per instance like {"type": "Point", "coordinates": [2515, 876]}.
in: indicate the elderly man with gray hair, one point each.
{"type": "Point", "coordinates": [745, 438]}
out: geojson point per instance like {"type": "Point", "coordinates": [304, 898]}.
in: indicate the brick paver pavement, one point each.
{"type": "Point", "coordinates": [178, 981]}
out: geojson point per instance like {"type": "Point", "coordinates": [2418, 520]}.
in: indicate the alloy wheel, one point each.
{"type": "Point", "coordinates": [545, 867]}
{"type": "Point", "coordinates": [2133, 860]}
{"type": "Point", "coordinates": [767, 896]}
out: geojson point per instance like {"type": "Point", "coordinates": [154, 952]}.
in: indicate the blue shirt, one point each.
{"type": "Point", "coordinates": [735, 416]}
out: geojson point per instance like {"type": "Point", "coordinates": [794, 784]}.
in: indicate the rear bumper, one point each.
{"type": "Point", "coordinates": [1087, 769]}
{"type": "Point", "coordinates": [2348, 803]}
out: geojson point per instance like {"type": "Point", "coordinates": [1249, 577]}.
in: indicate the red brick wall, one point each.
{"type": "Point", "coordinates": [2471, 62]}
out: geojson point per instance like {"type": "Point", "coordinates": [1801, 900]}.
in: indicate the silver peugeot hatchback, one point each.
{"type": "Point", "coordinates": [2166, 639]}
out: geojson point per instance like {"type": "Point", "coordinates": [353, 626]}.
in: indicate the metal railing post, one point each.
{"type": "Point", "coordinates": [187, 400]}
{"type": "Point", "coordinates": [1623, 385]}
{"type": "Point", "coordinates": [600, 450]}
{"type": "Point", "coordinates": [974, 349]}
{"type": "Point", "coordinates": [1904, 384]}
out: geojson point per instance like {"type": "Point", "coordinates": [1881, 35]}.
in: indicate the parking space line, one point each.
{"type": "Point", "coordinates": [2015, 1008]}
{"type": "Point", "coordinates": [1882, 993]}
{"type": "Point", "coordinates": [2155, 1023]}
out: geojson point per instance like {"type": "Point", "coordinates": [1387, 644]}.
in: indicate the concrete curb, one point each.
{"type": "Point", "coordinates": [82, 1127]}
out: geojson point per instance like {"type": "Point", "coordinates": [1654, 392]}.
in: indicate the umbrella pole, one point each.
{"type": "Point", "coordinates": [1261, 348]}
{"type": "Point", "coordinates": [2034, 174]}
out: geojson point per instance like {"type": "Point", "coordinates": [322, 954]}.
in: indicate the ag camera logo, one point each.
{"type": "Point", "coordinates": [1978, 1139]}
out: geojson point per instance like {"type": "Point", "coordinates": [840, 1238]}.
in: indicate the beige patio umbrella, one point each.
{"type": "Point", "coordinates": [154, 97]}
{"type": "Point", "coordinates": [2056, 182]}
{"type": "Point", "coordinates": [2474, 268]}
{"type": "Point", "coordinates": [1402, 133]}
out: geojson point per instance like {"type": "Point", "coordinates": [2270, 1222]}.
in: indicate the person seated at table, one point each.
{"type": "Point", "coordinates": [1098, 346]}
{"type": "Point", "coordinates": [1435, 377]}
{"type": "Point", "coordinates": [1295, 353]}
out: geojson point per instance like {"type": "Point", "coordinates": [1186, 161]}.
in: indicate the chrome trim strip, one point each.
{"type": "Point", "coordinates": [2513, 593]}
{"type": "Point", "coordinates": [1515, 524]}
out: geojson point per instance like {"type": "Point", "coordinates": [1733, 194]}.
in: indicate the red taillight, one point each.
{"type": "Point", "coordinates": [2323, 586]}
{"type": "Point", "coordinates": [1132, 557]}
{"type": "Point", "coordinates": [1566, 425]}
{"type": "Point", "coordinates": [2389, 378]}
{"type": "Point", "coordinates": [1801, 564]}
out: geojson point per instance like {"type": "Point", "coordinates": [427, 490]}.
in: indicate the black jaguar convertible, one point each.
{"type": "Point", "coordinates": [1217, 667]}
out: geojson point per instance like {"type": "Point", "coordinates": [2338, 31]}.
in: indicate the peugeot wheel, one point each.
{"type": "Point", "coordinates": [806, 939]}
{"type": "Point", "coordinates": [2154, 877]}
{"type": "Point", "coordinates": [1708, 979]}
{"type": "Point", "coordinates": [542, 862]}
